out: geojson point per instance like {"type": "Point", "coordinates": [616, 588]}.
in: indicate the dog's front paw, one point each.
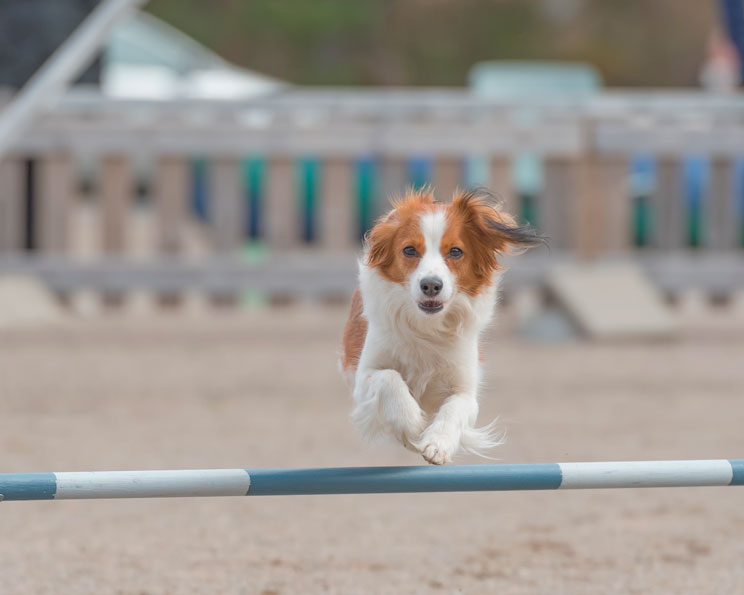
{"type": "Point", "coordinates": [437, 447]}
{"type": "Point", "coordinates": [436, 454]}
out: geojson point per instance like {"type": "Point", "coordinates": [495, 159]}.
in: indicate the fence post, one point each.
{"type": "Point", "coordinates": [54, 197]}
{"type": "Point", "coordinates": [601, 207]}
{"type": "Point", "coordinates": [116, 194]}
{"type": "Point", "coordinates": [613, 192]}
{"type": "Point", "coordinates": [227, 203]}
{"type": "Point", "coordinates": [282, 217]}
{"type": "Point", "coordinates": [557, 205]}
{"type": "Point", "coordinates": [171, 192]}
{"type": "Point", "coordinates": [447, 177]}
{"type": "Point", "coordinates": [338, 204]}
{"type": "Point", "coordinates": [393, 182]}
{"type": "Point", "coordinates": [669, 212]}
{"type": "Point", "coordinates": [721, 221]}
{"type": "Point", "coordinates": [11, 205]}
{"type": "Point", "coordinates": [501, 183]}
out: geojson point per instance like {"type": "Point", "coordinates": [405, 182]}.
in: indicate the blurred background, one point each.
{"type": "Point", "coordinates": [184, 189]}
{"type": "Point", "coordinates": [241, 150]}
{"type": "Point", "coordinates": [199, 142]}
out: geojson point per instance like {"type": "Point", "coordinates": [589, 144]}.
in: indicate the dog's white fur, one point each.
{"type": "Point", "coordinates": [411, 358]}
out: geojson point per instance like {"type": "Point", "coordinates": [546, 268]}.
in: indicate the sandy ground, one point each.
{"type": "Point", "coordinates": [261, 389]}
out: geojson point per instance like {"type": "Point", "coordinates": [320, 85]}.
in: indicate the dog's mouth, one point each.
{"type": "Point", "coordinates": [431, 306]}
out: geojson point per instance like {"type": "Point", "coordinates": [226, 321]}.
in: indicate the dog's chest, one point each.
{"type": "Point", "coordinates": [432, 369]}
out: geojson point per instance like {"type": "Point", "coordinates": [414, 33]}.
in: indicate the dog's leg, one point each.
{"type": "Point", "coordinates": [384, 406]}
{"type": "Point", "coordinates": [441, 440]}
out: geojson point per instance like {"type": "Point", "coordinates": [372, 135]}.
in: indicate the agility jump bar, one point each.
{"type": "Point", "coordinates": [369, 480]}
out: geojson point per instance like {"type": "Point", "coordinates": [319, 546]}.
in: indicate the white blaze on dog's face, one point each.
{"type": "Point", "coordinates": [439, 250]}
{"type": "Point", "coordinates": [432, 284]}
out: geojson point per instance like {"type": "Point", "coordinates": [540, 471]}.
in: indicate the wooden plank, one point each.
{"type": "Point", "coordinates": [447, 177]}
{"type": "Point", "coordinates": [338, 205]}
{"type": "Point", "coordinates": [117, 186]}
{"type": "Point", "coordinates": [282, 217]}
{"type": "Point", "coordinates": [673, 136]}
{"type": "Point", "coordinates": [55, 185]}
{"type": "Point", "coordinates": [393, 182]}
{"type": "Point", "coordinates": [12, 213]}
{"type": "Point", "coordinates": [613, 192]}
{"type": "Point", "coordinates": [584, 205]}
{"type": "Point", "coordinates": [332, 135]}
{"type": "Point", "coordinates": [171, 200]}
{"type": "Point", "coordinates": [587, 209]}
{"type": "Point", "coordinates": [501, 183]}
{"type": "Point", "coordinates": [721, 220]}
{"type": "Point", "coordinates": [227, 204]}
{"type": "Point", "coordinates": [556, 206]}
{"type": "Point", "coordinates": [601, 207]}
{"type": "Point", "coordinates": [611, 301]}
{"type": "Point", "coordinates": [669, 212]}
{"type": "Point", "coordinates": [401, 122]}
{"type": "Point", "coordinates": [329, 273]}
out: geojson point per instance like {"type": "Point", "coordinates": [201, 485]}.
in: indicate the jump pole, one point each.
{"type": "Point", "coordinates": [369, 480]}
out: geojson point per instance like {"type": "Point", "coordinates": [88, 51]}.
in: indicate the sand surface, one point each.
{"type": "Point", "coordinates": [261, 390]}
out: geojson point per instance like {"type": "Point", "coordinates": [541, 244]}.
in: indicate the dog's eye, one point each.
{"type": "Point", "coordinates": [410, 251]}
{"type": "Point", "coordinates": [455, 253]}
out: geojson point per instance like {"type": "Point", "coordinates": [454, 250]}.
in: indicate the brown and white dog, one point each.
{"type": "Point", "coordinates": [428, 281]}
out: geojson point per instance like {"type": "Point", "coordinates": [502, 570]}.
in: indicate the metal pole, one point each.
{"type": "Point", "coordinates": [369, 480]}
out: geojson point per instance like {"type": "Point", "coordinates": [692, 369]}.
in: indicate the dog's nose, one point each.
{"type": "Point", "coordinates": [431, 286]}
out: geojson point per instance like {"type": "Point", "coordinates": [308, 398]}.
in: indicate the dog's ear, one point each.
{"type": "Point", "coordinates": [379, 241]}
{"type": "Point", "coordinates": [494, 227]}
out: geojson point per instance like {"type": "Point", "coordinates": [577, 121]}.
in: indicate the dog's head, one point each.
{"type": "Point", "coordinates": [441, 250]}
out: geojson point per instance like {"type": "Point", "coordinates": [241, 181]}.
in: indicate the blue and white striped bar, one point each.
{"type": "Point", "coordinates": [368, 480]}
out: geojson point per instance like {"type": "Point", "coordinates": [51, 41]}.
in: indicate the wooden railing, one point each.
{"type": "Point", "coordinates": [116, 150]}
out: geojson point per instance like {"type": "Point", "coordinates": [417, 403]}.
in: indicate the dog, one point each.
{"type": "Point", "coordinates": [428, 282]}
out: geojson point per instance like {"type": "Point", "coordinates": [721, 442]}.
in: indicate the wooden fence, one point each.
{"type": "Point", "coordinates": [310, 169]}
